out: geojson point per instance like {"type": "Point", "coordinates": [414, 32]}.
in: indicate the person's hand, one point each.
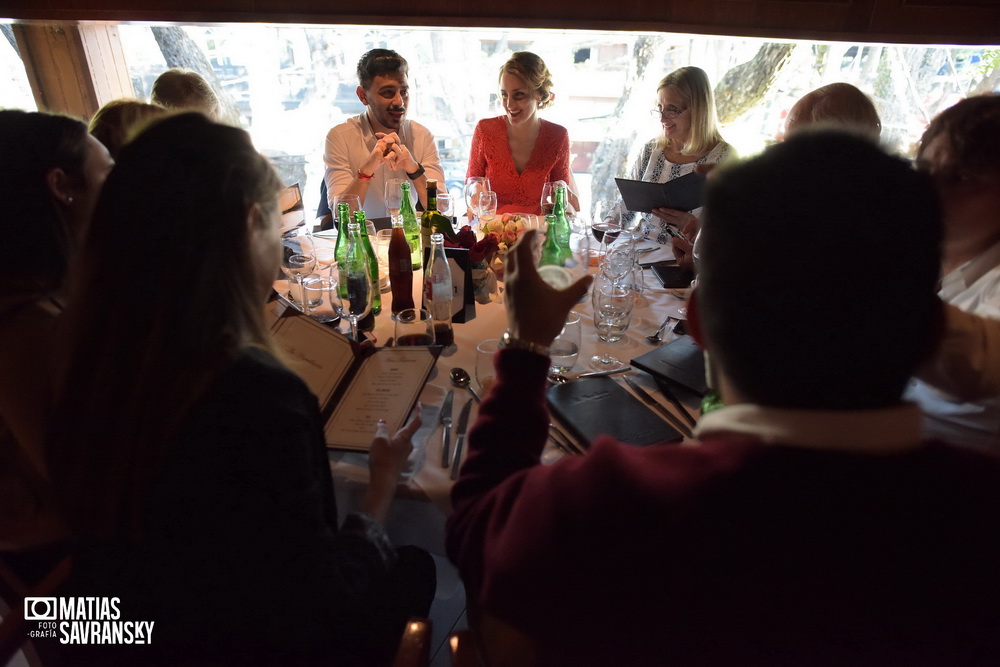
{"type": "Point", "coordinates": [671, 216]}
{"type": "Point", "coordinates": [683, 253]}
{"type": "Point", "coordinates": [387, 456]}
{"type": "Point", "coordinates": [401, 158]}
{"type": "Point", "coordinates": [536, 310]}
{"type": "Point", "coordinates": [383, 153]}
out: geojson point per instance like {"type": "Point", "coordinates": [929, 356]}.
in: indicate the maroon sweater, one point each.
{"type": "Point", "coordinates": [731, 552]}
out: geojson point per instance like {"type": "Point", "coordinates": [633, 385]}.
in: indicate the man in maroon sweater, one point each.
{"type": "Point", "coordinates": [809, 525]}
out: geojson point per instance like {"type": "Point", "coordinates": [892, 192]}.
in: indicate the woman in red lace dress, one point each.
{"type": "Point", "coordinates": [519, 152]}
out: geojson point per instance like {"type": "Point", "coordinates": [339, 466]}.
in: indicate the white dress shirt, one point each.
{"type": "Point", "coordinates": [348, 146]}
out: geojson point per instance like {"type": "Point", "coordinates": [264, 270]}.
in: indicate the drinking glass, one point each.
{"type": "Point", "coordinates": [485, 207]}
{"type": "Point", "coordinates": [605, 233]}
{"type": "Point", "coordinates": [298, 260]}
{"type": "Point", "coordinates": [382, 239]}
{"type": "Point", "coordinates": [473, 186]}
{"type": "Point", "coordinates": [485, 373]}
{"type": "Point", "coordinates": [393, 197]}
{"type": "Point", "coordinates": [413, 326]}
{"type": "Point", "coordinates": [321, 295]}
{"type": "Point", "coordinates": [353, 202]}
{"type": "Point", "coordinates": [682, 311]}
{"type": "Point", "coordinates": [548, 198]}
{"type": "Point", "coordinates": [613, 305]}
{"type": "Point", "coordinates": [356, 298]}
{"type": "Point", "coordinates": [566, 347]}
{"type": "Point", "coordinates": [620, 256]}
{"type": "Point", "coordinates": [324, 248]}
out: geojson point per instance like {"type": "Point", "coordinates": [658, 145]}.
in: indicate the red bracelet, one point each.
{"type": "Point", "coordinates": [363, 176]}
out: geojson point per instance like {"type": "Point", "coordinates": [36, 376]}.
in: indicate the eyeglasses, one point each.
{"type": "Point", "coordinates": [669, 113]}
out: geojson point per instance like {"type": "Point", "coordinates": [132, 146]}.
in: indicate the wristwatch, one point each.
{"type": "Point", "coordinates": [508, 342]}
{"type": "Point", "coordinates": [417, 174]}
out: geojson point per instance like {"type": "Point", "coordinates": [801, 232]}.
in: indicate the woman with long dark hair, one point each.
{"type": "Point", "coordinates": [190, 459]}
{"type": "Point", "coordinates": [50, 174]}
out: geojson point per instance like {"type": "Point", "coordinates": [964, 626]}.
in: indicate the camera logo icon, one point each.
{"type": "Point", "coordinates": [40, 609]}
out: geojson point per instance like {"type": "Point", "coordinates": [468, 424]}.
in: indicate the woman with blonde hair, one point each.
{"type": "Point", "coordinates": [118, 120]}
{"type": "Point", "coordinates": [189, 458]}
{"type": "Point", "coordinates": [519, 152]}
{"type": "Point", "coordinates": [685, 108]}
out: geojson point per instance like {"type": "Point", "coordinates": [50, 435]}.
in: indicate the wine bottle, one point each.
{"type": "Point", "coordinates": [400, 268]}
{"type": "Point", "coordinates": [438, 292]}
{"type": "Point", "coordinates": [427, 218]}
{"type": "Point", "coordinates": [410, 226]}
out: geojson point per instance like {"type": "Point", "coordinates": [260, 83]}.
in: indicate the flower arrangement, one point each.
{"type": "Point", "coordinates": [499, 234]}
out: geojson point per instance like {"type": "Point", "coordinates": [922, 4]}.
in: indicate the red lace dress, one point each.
{"type": "Point", "coordinates": [491, 157]}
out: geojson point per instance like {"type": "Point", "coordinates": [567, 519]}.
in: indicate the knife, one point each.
{"type": "Point", "coordinates": [669, 394]}
{"type": "Point", "coordinates": [463, 425]}
{"type": "Point", "coordinates": [653, 403]}
{"type": "Point", "coordinates": [446, 434]}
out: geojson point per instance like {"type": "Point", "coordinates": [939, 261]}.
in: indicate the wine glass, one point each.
{"type": "Point", "coordinates": [355, 294]}
{"type": "Point", "coordinates": [682, 311]}
{"type": "Point", "coordinates": [444, 205]}
{"type": "Point", "coordinates": [393, 197]}
{"type": "Point", "coordinates": [473, 186]}
{"type": "Point", "coordinates": [485, 207]}
{"type": "Point", "coordinates": [354, 204]}
{"type": "Point", "coordinates": [298, 260]}
{"type": "Point", "coordinates": [548, 198]}
{"type": "Point", "coordinates": [619, 257]}
{"type": "Point", "coordinates": [613, 305]}
{"type": "Point", "coordinates": [605, 232]}
{"type": "Point", "coordinates": [324, 248]}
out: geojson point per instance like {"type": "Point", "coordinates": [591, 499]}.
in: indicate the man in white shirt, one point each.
{"type": "Point", "coordinates": [364, 152]}
{"type": "Point", "coordinates": [961, 150]}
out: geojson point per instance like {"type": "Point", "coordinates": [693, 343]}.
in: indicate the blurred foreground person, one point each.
{"type": "Point", "coordinates": [50, 175]}
{"type": "Point", "coordinates": [810, 524]}
{"type": "Point", "coordinates": [190, 460]}
{"type": "Point", "coordinates": [961, 152]}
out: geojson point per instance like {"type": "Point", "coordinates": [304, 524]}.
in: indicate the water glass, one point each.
{"type": "Point", "coordinates": [353, 203]}
{"type": "Point", "coordinates": [613, 305]}
{"type": "Point", "coordinates": [485, 373]}
{"type": "Point", "coordinates": [382, 240]}
{"type": "Point", "coordinates": [566, 347]}
{"type": "Point", "coordinates": [473, 186]}
{"type": "Point", "coordinates": [393, 196]}
{"type": "Point", "coordinates": [321, 297]}
{"type": "Point", "coordinates": [413, 326]}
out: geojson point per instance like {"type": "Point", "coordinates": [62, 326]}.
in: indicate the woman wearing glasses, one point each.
{"type": "Point", "coordinates": [686, 109]}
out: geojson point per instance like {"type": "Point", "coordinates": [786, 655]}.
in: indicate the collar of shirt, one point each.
{"type": "Point", "coordinates": [883, 430]}
{"type": "Point", "coordinates": [965, 276]}
{"type": "Point", "coordinates": [368, 132]}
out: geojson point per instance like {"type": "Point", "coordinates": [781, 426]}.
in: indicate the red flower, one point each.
{"type": "Point", "coordinates": [484, 249]}
{"type": "Point", "coordinates": [466, 237]}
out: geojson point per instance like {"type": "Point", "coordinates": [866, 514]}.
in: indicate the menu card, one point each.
{"type": "Point", "coordinates": [355, 386]}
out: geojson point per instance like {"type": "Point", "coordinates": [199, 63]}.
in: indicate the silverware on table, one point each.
{"type": "Point", "coordinates": [556, 378]}
{"type": "Point", "coordinates": [654, 338]}
{"type": "Point", "coordinates": [463, 426]}
{"type": "Point", "coordinates": [648, 399]}
{"type": "Point", "coordinates": [461, 379]}
{"type": "Point", "coordinates": [446, 433]}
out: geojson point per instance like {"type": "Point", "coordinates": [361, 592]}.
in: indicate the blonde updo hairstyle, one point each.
{"type": "Point", "coordinates": [532, 69]}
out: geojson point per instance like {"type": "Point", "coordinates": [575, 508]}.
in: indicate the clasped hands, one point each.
{"type": "Point", "coordinates": [391, 152]}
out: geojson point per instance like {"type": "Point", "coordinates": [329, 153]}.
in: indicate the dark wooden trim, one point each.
{"type": "Point", "coordinates": [906, 21]}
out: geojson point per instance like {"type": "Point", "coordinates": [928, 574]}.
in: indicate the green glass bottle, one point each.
{"type": "Point", "coordinates": [366, 244]}
{"type": "Point", "coordinates": [355, 284]}
{"type": "Point", "coordinates": [551, 253]}
{"type": "Point", "coordinates": [343, 220]}
{"type": "Point", "coordinates": [713, 399]}
{"type": "Point", "coordinates": [410, 226]}
{"type": "Point", "coordinates": [563, 229]}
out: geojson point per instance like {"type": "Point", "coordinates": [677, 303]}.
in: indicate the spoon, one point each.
{"type": "Point", "coordinates": [654, 339]}
{"type": "Point", "coordinates": [461, 379]}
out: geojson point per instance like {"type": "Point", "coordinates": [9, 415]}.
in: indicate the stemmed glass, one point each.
{"type": "Point", "coordinates": [473, 186]}
{"type": "Point", "coordinates": [485, 207]}
{"type": "Point", "coordinates": [605, 232]}
{"type": "Point", "coordinates": [566, 347]}
{"type": "Point", "coordinates": [393, 197]}
{"type": "Point", "coordinates": [356, 297]}
{"type": "Point", "coordinates": [548, 198]}
{"type": "Point", "coordinates": [298, 260]}
{"type": "Point", "coordinates": [613, 305]}
{"type": "Point", "coordinates": [619, 257]}
{"type": "Point", "coordinates": [444, 205]}
{"type": "Point", "coordinates": [682, 311]}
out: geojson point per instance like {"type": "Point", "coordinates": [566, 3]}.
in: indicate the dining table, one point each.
{"type": "Point", "coordinates": [423, 502]}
